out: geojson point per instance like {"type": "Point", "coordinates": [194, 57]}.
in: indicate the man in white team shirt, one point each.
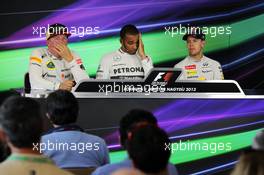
{"type": "Point", "coordinates": [55, 67]}
{"type": "Point", "coordinates": [196, 66]}
{"type": "Point", "coordinates": [128, 62]}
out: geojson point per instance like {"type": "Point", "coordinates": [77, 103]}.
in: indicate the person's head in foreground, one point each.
{"type": "Point", "coordinates": [57, 36]}
{"type": "Point", "coordinates": [62, 108]}
{"type": "Point", "coordinates": [146, 146]}
{"type": "Point", "coordinates": [251, 162]}
{"type": "Point", "coordinates": [133, 119]}
{"type": "Point", "coordinates": [4, 149]}
{"type": "Point", "coordinates": [129, 39]}
{"type": "Point", "coordinates": [20, 124]}
{"type": "Point", "coordinates": [195, 40]}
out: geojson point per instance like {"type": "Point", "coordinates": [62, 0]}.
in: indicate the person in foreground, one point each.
{"type": "Point", "coordinates": [21, 127]}
{"type": "Point", "coordinates": [132, 119]}
{"type": "Point", "coordinates": [91, 151]}
{"type": "Point", "coordinates": [146, 148]}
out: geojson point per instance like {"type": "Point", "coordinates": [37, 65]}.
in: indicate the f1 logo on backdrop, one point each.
{"type": "Point", "coordinates": [163, 76]}
{"type": "Point", "coordinates": [159, 76]}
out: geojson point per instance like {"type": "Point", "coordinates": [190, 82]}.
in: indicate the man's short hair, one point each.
{"type": "Point", "coordinates": [62, 107]}
{"type": "Point", "coordinates": [146, 147]}
{"type": "Point", "coordinates": [4, 151]}
{"type": "Point", "coordinates": [8, 93]}
{"type": "Point", "coordinates": [21, 120]}
{"type": "Point", "coordinates": [131, 120]}
{"type": "Point", "coordinates": [128, 29]}
{"type": "Point", "coordinates": [57, 29]}
{"type": "Point", "coordinates": [195, 32]}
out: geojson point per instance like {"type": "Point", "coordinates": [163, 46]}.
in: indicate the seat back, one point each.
{"type": "Point", "coordinates": [27, 86]}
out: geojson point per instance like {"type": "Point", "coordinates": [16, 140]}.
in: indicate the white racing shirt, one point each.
{"type": "Point", "coordinates": [205, 69]}
{"type": "Point", "coordinates": [121, 65]}
{"type": "Point", "coordinates": [47, 72]}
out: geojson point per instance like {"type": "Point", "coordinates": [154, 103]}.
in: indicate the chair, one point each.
{"type": "Point", "coordinates": [80, 171]}
{"type": "Point", "coordinates": [27, 86]}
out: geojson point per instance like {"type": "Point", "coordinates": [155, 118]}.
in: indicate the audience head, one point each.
{"type": "Point", "coordinates": [258, 141]}
{"type": "Point", "coordinates": [146, 147]}
{"type": "Point", "coordinates": [132, 119]}
{"type": "Point", "coordinates": [20, 122]}
{"type": "Point", "coordinates": [251, 162]}
{"type": "Point", "coordinates": [62, 107]}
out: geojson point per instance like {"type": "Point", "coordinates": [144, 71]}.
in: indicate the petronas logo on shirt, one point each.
{"type": "Point", "coordinates": [50, 65]}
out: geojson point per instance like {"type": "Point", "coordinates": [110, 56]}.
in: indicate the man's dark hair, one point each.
{"type": "Point", "coordinates": [128, 29]}
{"type": "Point", "coordinates": [21, 120]}
{"type": "Point", "coordinates": [146, 147]}
{"type": "Point", "coordinates": [62, 107]}
{"type": "Point", "coordinates": [4, 151]}
{"type": "Point", "coordinates": [131, 120]}
{"type": "Point", "coordinates": [8, 93]}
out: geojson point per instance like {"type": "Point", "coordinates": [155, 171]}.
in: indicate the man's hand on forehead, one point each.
{"type": "Point", "coordinates": [141, 50]}
{"type": "Point", "coordinates": [52, 48]}
{"type": "Point", "coordinates": [63, 51]}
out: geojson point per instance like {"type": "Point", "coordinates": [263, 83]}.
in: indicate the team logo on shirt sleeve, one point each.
{"type": "Point", "coordinates": [35, 61]}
